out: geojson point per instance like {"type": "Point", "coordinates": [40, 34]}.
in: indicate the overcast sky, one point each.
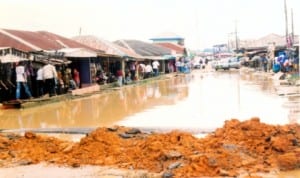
{"type": "Point", "coordinates": [202, 23]}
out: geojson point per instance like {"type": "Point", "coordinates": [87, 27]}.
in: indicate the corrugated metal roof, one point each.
{"type": "Point", "coordinates": [107, 46]}
{"type": "Point", "coordinates": [10, 42]}
{"type": "Point", "coordinates": [65, 42]}
{"type": "Point", "coordinates": [143, 48]}
{"type": "Point", "coordinates": [34, 41]}
{"type": "Point", "coordinates": [177, 48]}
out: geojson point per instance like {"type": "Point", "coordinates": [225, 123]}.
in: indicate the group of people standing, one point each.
{"type": "Point", "coordinates": [137, 70]}
{"type": "Point", "coordinates": [30, 81]}
{"type": "Point", "coordinates": [283, 62]}
{"type": "Point", "coordinates": [45, 80]}
{"type": "Point", "coordinates": [183, 65]}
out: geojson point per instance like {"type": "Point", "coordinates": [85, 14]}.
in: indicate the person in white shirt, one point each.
{"type": "Point", "coordinates": [148, 70]}
{"type": "Point", "coordinates": [49, 76]}
{"type": "Point", "coordinates": [40, 82]}
{"type": "Point", "coordinates": [155, 65]}
{"type": "Point", "coordinates": [21, 80]}
{"type": "Point", "coordinates": [142, 68]}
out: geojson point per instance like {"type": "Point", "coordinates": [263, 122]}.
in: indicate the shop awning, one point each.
{"type": "Point", "coordinates": [9, 58]}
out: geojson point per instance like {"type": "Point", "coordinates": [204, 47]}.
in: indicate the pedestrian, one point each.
{"type": "Point", "coordinates": [148, 70]}
{"type": "Point", "coordinates": [264, 62]}
{"type": "Point", "coordinates": [178, 65]}
{"type": "Point", "coordinates": [21, 80]}
{"type": "Point", "coordinates": [201, 64]}
{"type": "Point", "coordinates": [142, 68]}
{"type": "Point", "coordinates": [76, 77]}
{"type": "Point", "coordinates": [206, 61]}
{"type": "Point", "coordinates": [119, 75]}
{"type": "Point", "coordinates": [49, 76]}
{"type": "Point", "coordinates": [296, 63]}
{"type": "Point", "coordinates": [155, 66]}
{"type": "Point", "coordinates": [170, 66]}
{"type": "Point", "coordinates": [132, 69]}
{"type": "Point", "coordinates": [128, 78]}
{"type": "Point", "coordinates": [60, 85]}
{"type": "Point", "coordinates": [40, 82]}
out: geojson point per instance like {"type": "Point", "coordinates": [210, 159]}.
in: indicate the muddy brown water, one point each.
{"type": "Point", "coordinates": [198, 102]}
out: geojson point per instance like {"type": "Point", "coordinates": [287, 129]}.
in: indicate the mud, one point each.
{"type": "Point", "coordinates": [238, 148]}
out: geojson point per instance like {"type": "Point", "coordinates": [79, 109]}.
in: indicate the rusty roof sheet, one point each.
{"type": "Point", "coordinates": [177, 48]}
{"type": "Point", "coordinates": [10, 42]}
{"type": "Point", "coordinates": [34, 41]}
{"type": "Point", "coordinates": [65, 42]}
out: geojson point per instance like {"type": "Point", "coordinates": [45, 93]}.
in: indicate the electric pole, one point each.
{"type": "Point", "coordinates": [292, 26]}
{"type": "Point", "coordinates": [236, 37]}
{"type": "Point", "coordinates": [286, 25]}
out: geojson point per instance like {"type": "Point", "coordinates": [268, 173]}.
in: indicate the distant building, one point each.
{"type": "Point", "coordinates": [264, 42]}
{"type": "Point", "coordinates": [171, 41]}
{"type": "Point", "coordinates": [271, 44]}
{"type": "Point", "coordinates": [168, 38]}
{"type": "Point", "coordinates": [220, 48]}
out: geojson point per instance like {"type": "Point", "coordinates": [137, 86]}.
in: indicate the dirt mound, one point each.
{"type": "Point", "coordinates": [249, 146]}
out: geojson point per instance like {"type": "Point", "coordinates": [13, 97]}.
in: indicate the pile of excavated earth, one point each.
{"type": "Point", "coordinates": [236, 148]}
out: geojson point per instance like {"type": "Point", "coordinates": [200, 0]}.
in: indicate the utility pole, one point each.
{"type": "Point", "coordinates": [292, 26]}
{"type": "Point", "coordinates": [236, 37]}
{"type": "Point", "coordinates": [228, 42]}
{"type": "Point", "coordinates": [286, 25]}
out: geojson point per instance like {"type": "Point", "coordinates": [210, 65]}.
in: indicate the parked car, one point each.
{"type": "Point", "coordinates": [222, 64]}
{"type": "Point", "coordinates": [228, 63]}
{"type": "Point", "coordinates": [245, 61]}
{"type": "Point", "coordinates": [234, 63]}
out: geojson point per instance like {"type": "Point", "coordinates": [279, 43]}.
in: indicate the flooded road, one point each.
{"type": "Point", "coordinates": [198, 101]}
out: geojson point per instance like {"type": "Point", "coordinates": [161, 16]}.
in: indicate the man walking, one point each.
{"type": "Point", "coordinates": [21, 81]}
{"type": "Point", "coordinates": [264, 62]}
{"type": "Point", "coordinates": [49, 75]}
{"type": "Point", "coordinates": [155, 66]}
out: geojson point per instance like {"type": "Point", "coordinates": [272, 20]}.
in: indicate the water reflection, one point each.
{"type": "Point", "coordinates": [213, 98]}
{"type": "Point", "coordinates": [197, 101]}
{"type": "Point", "coordinates": [98, 110]}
